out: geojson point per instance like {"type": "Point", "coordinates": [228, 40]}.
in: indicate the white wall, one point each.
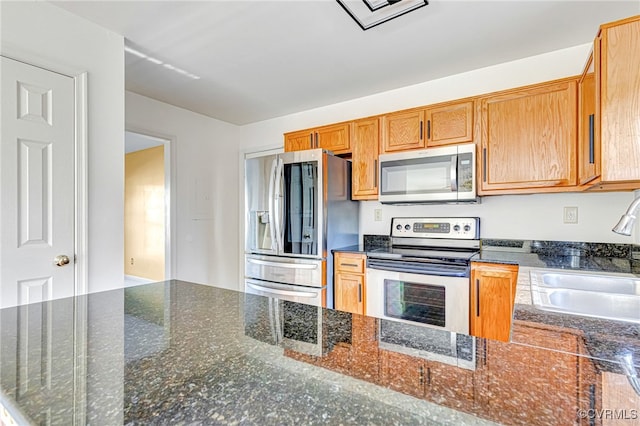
{"type": "Point", "coordinates": [47, 36]}
{"type": "Point", "coordinates": [206, 197]}
{"type": "Point", "coordinates": [509, 216]}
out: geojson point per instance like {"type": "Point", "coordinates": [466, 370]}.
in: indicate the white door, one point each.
{"type": "Point", "coordinates": [36, 184]}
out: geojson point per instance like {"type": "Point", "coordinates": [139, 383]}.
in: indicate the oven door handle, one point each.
{"type": "Point", "coordinates": [422, 269]}
{"type": "Point", "coordinates": [282, 292]}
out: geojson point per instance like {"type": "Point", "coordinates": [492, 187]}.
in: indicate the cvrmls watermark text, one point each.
{"type": "Point", "coordinates": [608, 414]}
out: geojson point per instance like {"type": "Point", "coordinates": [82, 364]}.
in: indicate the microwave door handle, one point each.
{"type": "Point", "coordinates": [454, 173]}
{"type": "Point", "coordinates": [272, 215]}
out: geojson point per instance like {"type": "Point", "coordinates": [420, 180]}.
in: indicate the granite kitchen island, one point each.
{"type": "Point", "coordinates": [181, 353]}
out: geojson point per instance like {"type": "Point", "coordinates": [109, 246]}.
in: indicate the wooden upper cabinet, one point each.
{"type": "Point", "coordinates": [334, 137]}
{"type": "Point", "coordinates": [588, 127]}
{"type": "Point", "coordinates": [493, 289]}
{"type": "Point", "coordinates": [298, 141]}
{"type": "Point", "coordinates": [529, 139]}
{"type": "Point", "coordinates": [449, 123]}
{"type": "Point", "coordinates": [403, 131]}
{"type": "Point", "coordinates": [617, 65]}
{"type": "Point", "coordinates": [364, 167]}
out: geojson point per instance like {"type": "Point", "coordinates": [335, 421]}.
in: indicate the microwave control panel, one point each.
{"type": "Point", "coordinates": [436, 227]}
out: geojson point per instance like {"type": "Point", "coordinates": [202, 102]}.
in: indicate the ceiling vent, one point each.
{"type": "Point", "coordinates": [369, 13]}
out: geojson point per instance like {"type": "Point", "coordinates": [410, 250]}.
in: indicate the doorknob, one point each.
{"type": "Point", "coordinates": [61, 260]}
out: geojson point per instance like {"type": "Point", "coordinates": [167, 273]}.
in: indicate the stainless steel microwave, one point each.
{"type": "Point", "coordinates": [444, 174]}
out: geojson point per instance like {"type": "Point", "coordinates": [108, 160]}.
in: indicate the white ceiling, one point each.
{"type": "Point", "coordinates": [263, 59]}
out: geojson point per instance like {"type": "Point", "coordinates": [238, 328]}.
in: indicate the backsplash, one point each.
{"type": "Point", "coordinates": [560, 254]}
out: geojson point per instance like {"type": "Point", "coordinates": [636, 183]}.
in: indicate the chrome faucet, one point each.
{"type": "Point", "coordinates": [625, 224]}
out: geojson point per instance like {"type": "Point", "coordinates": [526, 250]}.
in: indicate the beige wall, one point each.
{"type": "Point", "coordinates": [144, 210]}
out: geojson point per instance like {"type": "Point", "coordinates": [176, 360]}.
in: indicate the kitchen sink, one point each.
{"type": "Point", "coordinates": [591, 294]}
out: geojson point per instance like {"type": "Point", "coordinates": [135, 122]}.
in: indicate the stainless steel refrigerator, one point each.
{"type": "Point", "coordinates": [298, 208]}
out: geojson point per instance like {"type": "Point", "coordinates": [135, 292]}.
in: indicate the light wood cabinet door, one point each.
{"type": "Point", "coordinates": [403, 373]}
{"type": "Point", "coordinates": [349, 293]}
{"type": "Point", "coordinates": [403, 131]}
{"type": "Point", "coordinates": [493, 289]}
{"type": "Point", "coordinates": [588, 128]}
{"type": "Point", "coordinates": [450, 124]}
{"type": "Point", "coordinates": [547, 388]}
{"type": "Point", "coordinates": [335, 138]}
{"type": "Point", "coordinates": [529, 139]}
{"type": "Point", "coordinates": [364, 166]}
{"type": "Point", "coordinates": [349, 282]}
{"type": "Point", "coordinates": [619, 48]}
{"type": "Point", "coordinates": [298, 141]}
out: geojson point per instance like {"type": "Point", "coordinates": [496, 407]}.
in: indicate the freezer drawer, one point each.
{"type": "Point", "coordinates": [305, 272]}
{"type": "Point", "coordinates": [306, 295]}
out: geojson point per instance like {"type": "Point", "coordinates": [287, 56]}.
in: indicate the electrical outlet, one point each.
{"type": "Point", "coordinates": [377, 215]}
{"type": "Point", "coordinates": [570, 215]}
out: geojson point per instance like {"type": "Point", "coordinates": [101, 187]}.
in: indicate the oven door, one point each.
{"type": "Point", "coordinates": [431, 300]}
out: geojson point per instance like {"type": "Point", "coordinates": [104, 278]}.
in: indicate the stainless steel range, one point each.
{"type": "Point", "coordinates": [424, 277]}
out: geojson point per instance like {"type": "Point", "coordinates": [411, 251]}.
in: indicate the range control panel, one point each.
{"type": "Point", "coordinates": [466, 228]}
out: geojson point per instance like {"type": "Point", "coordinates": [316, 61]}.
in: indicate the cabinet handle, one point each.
{"type": "Point", "coordinates": [421, 131]}
{"type": "Point", "coordinates": [359, 293]}
{"type": "Point", "coordinates": [484, 164]}
{"type": "Point", "coordinates": [477, 297]}
{"type": "Point", "coordinates": [311, 140]}
{"type": "Point", "coordinates": [317, 139]}
{"type": "Point", "coordinates": [428, 376]}
{"type": "Point", "coordinates": [355, 265]}
{"type": "Point", "coordinates": [428, 129]}
{"type": "Point", "coordinates": [375, 173]}
{"type": "Point", "coordinates": [591, 138]}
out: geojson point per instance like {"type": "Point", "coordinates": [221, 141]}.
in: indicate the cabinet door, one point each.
{"type": "Point", "coordinates": [402, 373]}
{"type": "Point", "coordinates": [547, 388]}
{"type": "Point", "coordinates": [588, 150]}
{"type": "Point", "coordinates": [529, 138]}
{"type": "Point", "coordinates": [335, 138]}
{"type": "Point", "coordinates": [449, 385]}
{"type": "Point", "coordinates": [349, 293]}
{"type": "Point", "coordinates": [493, 289]}
{"type": "Point", "coordinates": [620, 102]}
{"type": "Point", "coordinates": [298, 141]}
{"type": "Point", "coordinates": [449, 124]}
{"type": "Point", "coordinates": [403, 131]}
{"type": "Point", "coordinates": [364, 168]}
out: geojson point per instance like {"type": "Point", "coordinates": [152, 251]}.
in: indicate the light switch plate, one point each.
{"type": "Point", "coordinates": [377, 215]}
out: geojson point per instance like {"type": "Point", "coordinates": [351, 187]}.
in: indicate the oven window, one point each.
{"type": "Point", "coordinates": [422, 303]}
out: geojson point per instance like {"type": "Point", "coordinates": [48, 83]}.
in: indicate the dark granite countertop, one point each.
{"type": "Point", "coordinates": [181, 353]}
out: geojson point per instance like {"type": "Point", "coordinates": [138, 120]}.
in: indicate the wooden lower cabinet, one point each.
{"type": "Point", "coordinates": [525, 385]}
{"type": "Point", "coordinates": [493, 289]}
{"type": "Point", "coordinates": [443, 384]}
{"type": "Point", "coordinates": [349, 282]}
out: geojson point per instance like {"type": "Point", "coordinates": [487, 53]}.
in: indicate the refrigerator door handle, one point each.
{"type": "Point", "coordinates": [279, 219]}
{"type": "Point", "coordinates": [272, 180]}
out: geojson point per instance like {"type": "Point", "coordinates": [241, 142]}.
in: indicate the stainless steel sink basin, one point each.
{"type": "Point", "coordinates": [591, 294]}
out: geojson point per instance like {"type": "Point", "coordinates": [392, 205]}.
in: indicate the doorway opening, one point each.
{"type": "Point", "coordinates": [147, 209]}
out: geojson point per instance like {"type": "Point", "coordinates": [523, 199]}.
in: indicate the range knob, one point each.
{"type": "Point", "coordinates": [399, 227]}
{"type": "Point", "coordinates": [456, 228]}
{"type": "Point", "coordinates": [467, 228]}
{"type": "Point", "coordinates": [407, 227]}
